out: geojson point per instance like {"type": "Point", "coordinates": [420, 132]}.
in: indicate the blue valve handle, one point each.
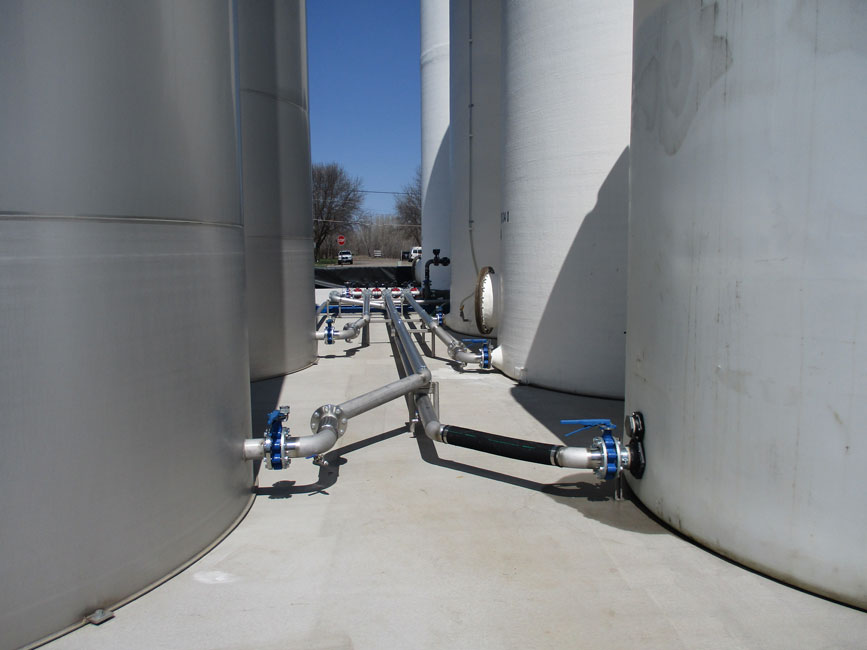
{"type": "Point", "coordinates": [604, 424]}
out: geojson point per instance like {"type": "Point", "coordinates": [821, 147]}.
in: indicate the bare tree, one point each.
{"type": "Point", "coordinates": [337, 201]}
{"type": "Point", "coordinates": [408, 207]}
{"type": "Point", "coordinates": [384, 233]}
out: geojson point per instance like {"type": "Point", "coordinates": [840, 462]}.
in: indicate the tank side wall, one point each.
{"type": "Point", "coordinates": [124, 381]}
{"type": "Point", "coordinates": [565, 136]}
{"type": "Point", "coordinates": [747, 342]}
{"type": "Point", "coordinates": [278, 212]}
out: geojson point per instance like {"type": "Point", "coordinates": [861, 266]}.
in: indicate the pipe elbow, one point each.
{"type": "Point", "coordinates": [434, 430]}
{"type": "Point", "coordinates": [426, 376]}
{"type": "Point", "coordinates": [465, 356]}
{"type": "Point", "coordinates": [318, 443]}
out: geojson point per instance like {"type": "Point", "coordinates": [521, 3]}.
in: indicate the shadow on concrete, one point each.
{"type": "Point", "coordinates": [586, 494]}
{"type": "Point", "coordinates": [548, 407]}
{"type": "Point", "coordinates": [328, 471]}
{"type": "Point", "coordinates": [347, 352]}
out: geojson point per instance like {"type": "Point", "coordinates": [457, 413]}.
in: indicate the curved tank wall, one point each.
{"type": "Point", "coordinates": [565, 133]}
{"type": "Point", "coordinates": [747, 343]}
{"type": "Point", "coordinates": [278, 221]}
{"type": "Point", "coordinates": [474, 60]}
{"type": "Point", "coordinates": [435, 186]}
{"type": "Point", "coordinates": [125, 393]}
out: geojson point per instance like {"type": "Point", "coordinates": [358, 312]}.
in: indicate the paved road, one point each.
{"type": "Point", "coordinates": [364, 260]}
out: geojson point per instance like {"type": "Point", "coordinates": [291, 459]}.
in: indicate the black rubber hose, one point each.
{"type": "Point", "coordinates": [533, 452]}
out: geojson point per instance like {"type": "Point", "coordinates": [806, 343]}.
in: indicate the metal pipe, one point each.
{"type": "Point", "coordinates": [433, 429]}
{"type": "Point", "coordinates": [352, 330]}
{"type": "Point", "coordinates": [384, 394]}
{"type": "Point", "coordinates": [418, 366]}
{"type": "Point", "coordinates": [456, 350]}
{"type": "Point", "coordinates": [329, 422]}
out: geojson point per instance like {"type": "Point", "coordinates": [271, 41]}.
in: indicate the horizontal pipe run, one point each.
{"type": "Point", "coordinates": [456, 350]}
{"type": "Point", "coordinates": [404, 339]}
{"type": "Point", "coordinates": [384, 394]}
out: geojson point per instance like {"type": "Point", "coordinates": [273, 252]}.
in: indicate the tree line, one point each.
{"type": "Point", "coordinates": [338, 200]}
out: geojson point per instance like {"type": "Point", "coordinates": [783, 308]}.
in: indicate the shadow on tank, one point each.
{"type": "Point", "coordinates": [584, 320]}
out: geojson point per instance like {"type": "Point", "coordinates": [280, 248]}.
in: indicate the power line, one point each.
{"type": "Point", "coordinates": [380, 192]}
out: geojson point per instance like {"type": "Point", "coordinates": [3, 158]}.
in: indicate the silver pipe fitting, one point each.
{"type": "Point", "coordinates": [329, 422]}
{"type": "Point", "coordinates": [456, 349]}
{"type": "Point", "coordinates": [433, 429]}
{"type": "Point", "coordinates": [578, 458]}
{"type": "Point", "coordinates": [254, 449]}
{"type": "Point", "coordinates": [385, 394]}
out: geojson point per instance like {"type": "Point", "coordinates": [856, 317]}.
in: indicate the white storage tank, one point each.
{"type": "Point", "coordinates": [278, 213]}
{"type": "Point", "coordinates": [474, 59]}
{"type": "Point", "coordinates": [747, 344]}
{"type": "Point", "coordinates": [124, 382]}
{"type": "Point", "coordinates": [435, 187]}
{"type": "Point", "coordinates": [565, 133]}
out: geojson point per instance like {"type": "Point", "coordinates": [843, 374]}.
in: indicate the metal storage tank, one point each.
{"type": "Point", "coordinates": [435, 186]}
{"type": "Point", "coordinates": [278, 213]}
{"type": "Point", "coordinates": [747, 343]}
{"type": "Point", "coordinates": [125, 393]}
{"type": "Point", "coordinates": [474, 59]}
{"type": "Point", "coordinates": [565, 133]}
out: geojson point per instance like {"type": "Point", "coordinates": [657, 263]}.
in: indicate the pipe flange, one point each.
{"type": "Point", "coordinates": [608, 446]}
{"type": "Point", "coordinates": [277, 451]}
{"type": "Point", "coordinates": [329, 410]}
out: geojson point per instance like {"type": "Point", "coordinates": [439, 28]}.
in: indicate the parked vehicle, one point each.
{"type": "Point", "coordinates": [415, 254]}
{"type": "Point", "coordinates": [344, 257]}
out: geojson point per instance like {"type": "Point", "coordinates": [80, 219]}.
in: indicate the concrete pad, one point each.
{"type": "Point", "coordinates": [403, 543]}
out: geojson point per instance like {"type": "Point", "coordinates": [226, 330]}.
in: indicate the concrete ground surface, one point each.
{"type": "Point", "coordinates": [404, 543]}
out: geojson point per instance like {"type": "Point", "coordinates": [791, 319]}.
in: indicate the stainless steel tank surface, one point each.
{"type": "Point", "coordinates": [125, 393]}
{"type": "Point", "coordinates": [278, 214]}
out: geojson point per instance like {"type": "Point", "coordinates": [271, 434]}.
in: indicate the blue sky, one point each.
{"type": "Point", "coordinates": [363, 61]}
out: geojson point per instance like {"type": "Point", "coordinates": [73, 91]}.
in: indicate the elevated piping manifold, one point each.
{"type": "Point", "coordinates": [329, 421]}
{"type": "Point", "coordinates": [456, 349]}
{"type": "Point", "coordinates": [606, 456]}
{"type": "Point", "coordinates": [351, 330]}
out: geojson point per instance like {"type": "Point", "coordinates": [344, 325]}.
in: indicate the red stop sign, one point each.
{"type": "Point", "coordinates": [341, 240]}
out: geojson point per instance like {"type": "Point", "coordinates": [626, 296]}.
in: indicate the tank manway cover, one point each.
{"type": "Point", "coordinates": [487, 288]}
